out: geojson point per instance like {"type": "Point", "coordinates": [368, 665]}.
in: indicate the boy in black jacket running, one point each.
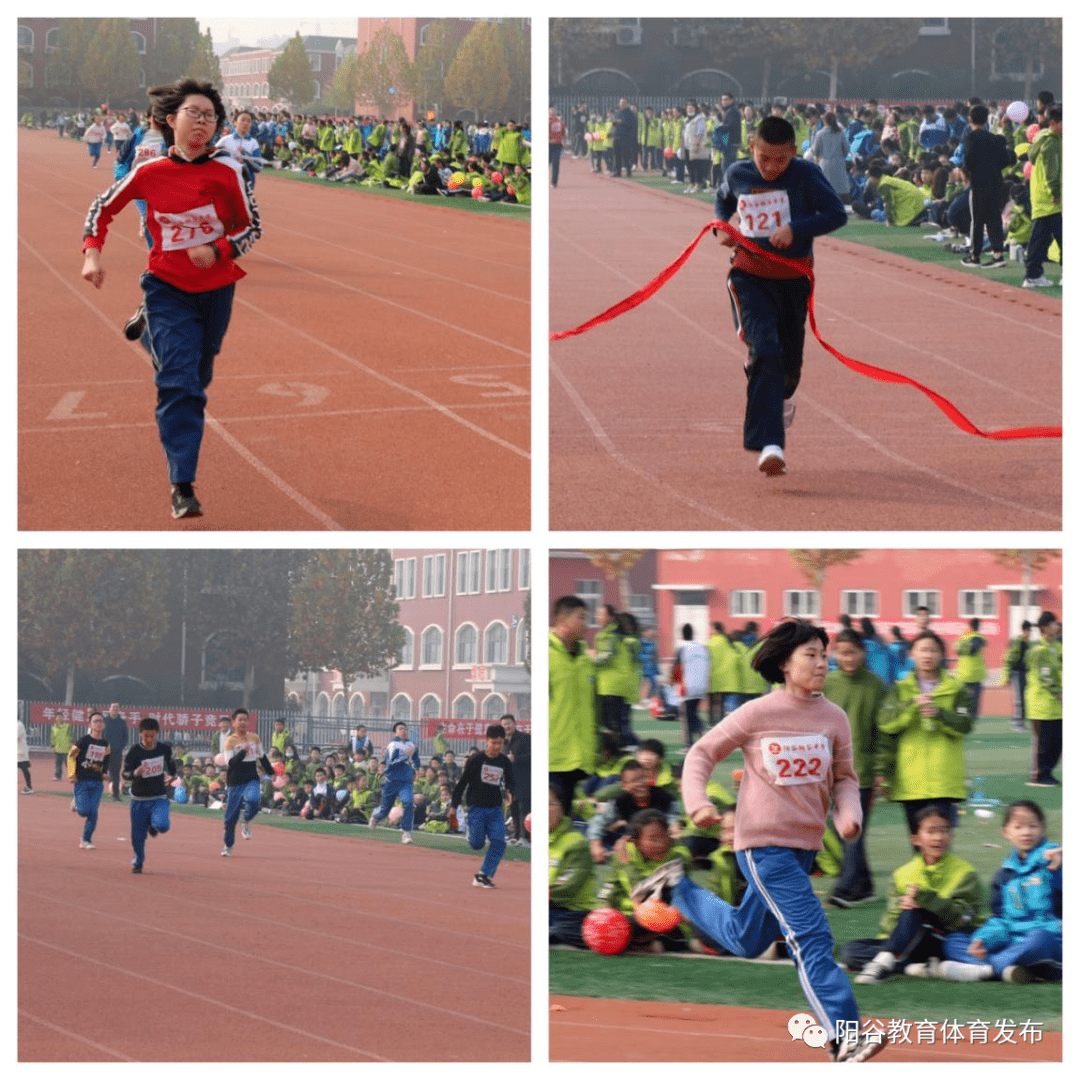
{"type": "Point", "coordinates": [483, 780]}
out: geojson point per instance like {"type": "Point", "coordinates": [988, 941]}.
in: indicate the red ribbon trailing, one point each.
{"type": "Point", "coordinates": [881, 374]}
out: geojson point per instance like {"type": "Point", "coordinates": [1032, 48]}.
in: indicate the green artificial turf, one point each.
{"type": "Point", "coordinates": [993, 753]}
{"type": "Point", "coordinates": [910, 241]}
{"type": "Point", "coordinates": [514, 211]}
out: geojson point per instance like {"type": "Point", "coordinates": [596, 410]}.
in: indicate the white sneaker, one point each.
{"type": "Point", "coordinates": [876, 970]}
{"type": "Point", "coordinates": [771, 461]}
{"type": "Point", "coordinates": [226, 851]}
{"type": "Point", "coordinates": [86, 845]}
{"type": "Point", "coordinates": [406, 837]}
{"type": "Point", "coordinates": [372, 821]}
{"type": "Point", "coordinates": [245, 831]}
{"type": "Point", "coordinates": [789, 411]}
{"type": "Point", "coordinates": [1042, 282]}
{"type": "Point", "coordinates": [957, 971]}
{"type": "Point", "coordinates": [74, 807]}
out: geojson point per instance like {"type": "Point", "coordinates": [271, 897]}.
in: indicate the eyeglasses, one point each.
{"type": "Point", "coordinates": [198, 114]}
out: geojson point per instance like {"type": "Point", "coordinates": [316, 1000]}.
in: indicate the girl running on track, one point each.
{"type": "Point", "coordinates": [797, 760]}
{"type": "Point", "coordinates": [202, 217]}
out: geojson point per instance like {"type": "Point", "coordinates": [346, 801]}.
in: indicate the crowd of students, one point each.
{"type": "Point", "coordinates": [902, 165]}
{"type": "Point", "coordinates": [807, 783]}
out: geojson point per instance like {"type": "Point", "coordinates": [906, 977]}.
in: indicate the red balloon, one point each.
{"type": "Point", "coordinates": [477, 192]}
{"type": "Point", "coordinates": [657, 916]}
{"type": "Point", "coordinates": [279, 767]}
{"type": "Point", "coordinates": [528, 823]}
{"type": "Point", "coordinates": [606, 931]}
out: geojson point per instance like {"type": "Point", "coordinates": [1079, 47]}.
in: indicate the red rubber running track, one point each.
{"type": "Point", "coordinates": [646, 411]}
{"type": "Point", "coordinates": [375, 374]}
{"type": "Point", "coordinates": [298, 948]}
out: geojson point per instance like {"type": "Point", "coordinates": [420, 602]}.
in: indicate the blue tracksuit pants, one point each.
{"type": "Point", "coordinates": [1041, 947]}
{"type": "Point", "coordinates": [87, 800]}
{"type": "Point", "coordinates": [240, 796]}
{"type": "Point", "coordinates": [779, 900]}
{"type": "Point", "coordinates": [391, 789]}
{"type": "Point", "coordinates": [144, 813]}
{"type": "Point", "coordinates": [183, 334]}
{"type": "Point", "coordinates": [770, 316]}
{"type": "Point", "coordinates": [488, 823]}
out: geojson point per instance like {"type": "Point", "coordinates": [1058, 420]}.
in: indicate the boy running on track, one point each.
{"type": "Point", "coordinates": [202, 216]}
{"type": "Point", "coordinates": [482, 783]}
{"type": "Point", "coordinates": [243, 753]}
{"type": "Point", "coordinates": [145, 766]}
{"type": "Point", "coordinates": [401, 761]}
{"type": "Point", "coordinates": [781, 202]}
{"type": "Point", "coordinates": [798, 760]}
{"type": "Point", "coordinates": [88, 762]}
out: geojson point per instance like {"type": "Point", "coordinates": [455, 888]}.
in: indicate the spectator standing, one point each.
{"type": "Point", "coordinates": [693, 661]}
{"type": "Point", "coordinates": [696, 145]}
{"type": "Point", "coordinates": [1046, 200]}
{"type": "Point", "coordinates": [519, 751]}
{"type": "Point", "coordinates": [572, 726]}
{"type": "Point", "coordinates": [829, 150]}
{"type": "Point", "coordinates": [1043, 701]}
{"type": "Point", "coordinates": [556, 139]}
{"type": "Point", "coordinates": [1014, 673]}
{"type": "Point", "coordinates": [60, 740]}
{"type": "Point", "coordinates": [971, 664]}
{"type": "Point", "coordinates": [730, 130]}
{"type": "Point", "coordinates": [625, 139]}
{"type": "Point", "coordinates": [986, 156]}
{"type": "Point", "coordinates": [24, 758]}
{"type": "Point", "coordinates": [116, 735]}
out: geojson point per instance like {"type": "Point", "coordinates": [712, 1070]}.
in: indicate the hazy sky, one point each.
{"type": "Point", "coordinates": [227, 32]}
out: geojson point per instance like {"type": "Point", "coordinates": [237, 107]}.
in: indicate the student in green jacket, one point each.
{"type": "Point", "coordinates": [935, 894]}
{"type": "Point", "coordinates": [1046, 199]}
{"type": "Point", "coordinates": [905, 204]}
{"type": "Point", "coordinates": [930, 719]}
{"type": "Point", "coordinates": [60, 740]}
{"type": "Point", "coordinates": [572, 726]}
{"type": "Point", "coordinates": [1014, 674]}
{"type": "Point", "coordinates": [571, 877]}
{"type": "Point", "coordinates": [862, 695]}
{"type": "Point", "coordinates": [1043, 701]}
{"type": "Point", "coordinates": [971, 664]}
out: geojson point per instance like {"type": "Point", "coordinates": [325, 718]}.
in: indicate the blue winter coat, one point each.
{"type": "Point", "coordinates": [1025, 895]}
{"type": "Point", "coordinates": [879, 660]}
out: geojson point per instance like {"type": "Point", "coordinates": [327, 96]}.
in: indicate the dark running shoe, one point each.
{"type": "Point", "coordinates": [134, 327]}
{"type": "Point", "coordinates": [151, 830]}
{"type": "Point", "coordinates": [482, 881]}
{"type": "Point", "coordinates": [971, 260]}
{"type": "Point", "coordinates": [862, 1048]}
{"type": "Point", "coordinates": [185, 505]}
{"type": "Point", "coordinates": [136, 868]}
{"type": "Point", "coordinates": [994, 262]}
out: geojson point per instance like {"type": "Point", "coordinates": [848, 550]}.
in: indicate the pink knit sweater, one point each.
{"type": "Point", "coordinates": [798, 759]}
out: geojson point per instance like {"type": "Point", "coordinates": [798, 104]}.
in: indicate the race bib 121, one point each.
{"type": "Point", "coordinates": [761, 213]}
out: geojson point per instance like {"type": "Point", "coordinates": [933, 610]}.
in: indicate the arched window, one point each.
{"type": "Point", "coordinates": [430, 707]}
{"type": "Point", "coordinates": [223, 660]}
{"type": "Point", "coordinates": [496, 639]}
{"type": "Point", "coordinates": [431, 647]}
{"type": "Point", "coordinates": [465, 644]}
{"type": "Point", "coordinates": [322, 705]}
{"type": "Point", "coordinates": [494, 706]}
{"type": "Point", "coordinates": [339, 705]}
{"type": "Point", "coordinates": [140, 42]}
{"type": "Point", "coordinates": [356, 706]}
{"type": "Point", "coordinates": [26, 39]}
{"type": "Point", "coordinates": [407, 648]}
{"type": "Point", "coordinates": [401, 708]}
{"type": "Point", "coordinates": [52, 39]}
{"type": "Point", "coordinates": [464, 707]}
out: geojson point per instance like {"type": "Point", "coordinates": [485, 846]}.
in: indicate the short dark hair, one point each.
{"type": "Point", "coordinates": [1025, 625]}
{"type": "Point", "coordinates": [240, 711]}
{"type": "Point", "coordinates": [399, 723]}
{"type": "Point", "coordinates": [566, 604]}
{"type": "Point", "coordinates": [1023, 804]}
{"type": "Point", "coordinates": [923, 635]}
{"type": "Point", "coordinates": [149, 723]}
{"type": "Point", "coordinates": [941, 810]}
{"type": "Point", "coordinates": [1046, 618]}
{"type": "Point", "coordinates": [780, 642]}
{"type": "Point", "coordinates": [166, 100]}
{"type": "Point", "coordinates": [776, 131]}
{"type": "Point", "coordinates": [495, 731]}
{"type": "Point", "coordinates": [643, 819]}
{"type": "Point", "coordinates": [653, 745]}
{"type": "Point", "coordinates": [847, 636]}
{"type": "Point", "coordinates": [979, 114]}
{"type": "Point", "coordinates": [630, 767]}
{"type": "Point", "coordinates": [688, 632]}
{"type": "Point", "coordinates": [974, 624]}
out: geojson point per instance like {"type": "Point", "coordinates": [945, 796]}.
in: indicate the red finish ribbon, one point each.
{"type": "Point", "coordinates": [881, 374]}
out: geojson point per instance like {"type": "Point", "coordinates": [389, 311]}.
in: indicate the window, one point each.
{"type": "Point", "coordinates": [378, 704]}
{"type": "Point", "coordinates": [917, 598]}
{"type": "Point", "coordinates": [406, 649]}
{"type": "Point", "coordinates": [405, 578]}
{"type": "Point", "coordinates": [491, 581]}
{"type": "Point", "coordinates": [495, 644]}
{"type": "Point", "coordinates": [401, 709]}
{"type": "Point", "coordinates": [468, 572]}
{"type": "Point", "coordinates": [747, 602]}
{"type": "Point", "coordinates": [505, 570]}
{"type": "Point", "coordinates": [859, 602]}
{"type": "Point", "coordinates": [26, 39]}
{"type": "Point", "coordinates": [140, 42]}
{"type": "Point", "coordinates": [424, 33]}
{"type": "Point", "coordinates": [52, 39]}
{"type": "Point", "coordinates": [316, 61]}
{"type": "Point", "coordinates": [524, 568]}
{"type": "Point", "coordinates": [976, 603]}
{"type": "Point", "coordinates": [494, 706]}
{"type": "Point", "coordinates": [430, 707]}
{"type": "Point", "coordinates": [434, 575]}
{"type": "Point", "coordinates": [464, 707]}
{"type": "Point", "coordinates": [933, 27]}
{"type": "Point", "coordinates": [465, 645]}
{"type": "Point", "coordinates": [356, 707]}
{"type": "Point", "coordinates": [802, 603]}
{"type": "Point", "coordinates": [592, 592]}
{"type": "Point", "coordinates": [431, 647]}
{"type": "Point", "coordinates": [337, 707]}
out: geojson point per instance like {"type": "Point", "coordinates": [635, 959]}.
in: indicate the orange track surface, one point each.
{"type": "Point", "coordinates": [646, 411]}
{"type": "Point", "coordinates": [298, 948]}
{"type": "Point", "coordinates": [600, 1029]}
{"type": "Point", "coordinates": [375, 374]}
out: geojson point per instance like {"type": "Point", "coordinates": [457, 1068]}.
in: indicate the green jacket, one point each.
{"type": "Point", "coordinates": [722, 799]}
{"type": "Point", "coordinates": [613, 661]}
{"type": "Point", "coordinates": [904, 202]}
{"type": "Point", "coordinates": [60, 738]}
{"type": "Point", "coordinates": [929, 760]}
{"type": "Point", "coordinates": [724, 878]}
{"type": "Point", "coordinates": [950, 889]}
{"type": "Point", "coordinates": [572, 728]}
{"type": "Point", "coordinates": [862, 695]}
{"type": "Point", "coordinates": [1012, 661]}
{"type": "Point", "coordinates": [624, 876]}
{"type": "Point", "coordinates": [750, 682]}
{"type": "Point", "coordinates": [375, 139]}
{"type": "Point", "coordinates": [723, 665]}
{"type": "Point", "coordinates": [571, 874]}
{"type": "Point", "coordinates": [970, 664]}
{"type": "Point", "coordinates": [1045, 156]}
{"type": "Point", "coordinates": [511, 151]}
{"type": "Point", "coordinates": [1042, 693]}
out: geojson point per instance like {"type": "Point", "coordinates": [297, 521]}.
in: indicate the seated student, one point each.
{"type": "Point", "coordinates": [636, 794]}
{"type": "Point", "coordinates": [320, 798]}
{"type": "Point", "coordinates": [297, 796]}
{"type": "Point", "coordinates": [1021, 941]}
{"type": "Point", "coordinates": [437, 811]}
{"type": "Point", "coordinates": [904, 202]}
{"type": "Point", "coordinates": [935, 894]}
{"type": "Point", "coordinates": [725, 879]}
{"type": "Point", "coordinates": [607, 768]}
{"type": "Point", "coordinates": [648, 848]}
{"type": "Point", "coordinates": [571, 878]}
{"type": "Point", "coordinates": [313, 762]}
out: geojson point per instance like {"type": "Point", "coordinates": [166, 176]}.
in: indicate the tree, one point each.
{"type": "Point", "coordinates": [1027, 562]}
{"type": "Point", "coordinates": [517, 48]}
{"type": "Point", "coordinates": [1020, 45]}
{"type": "Point", "coordinates": [571, 43]}
{"type": "Point", "coordinates": [63, 64]}
{"type": "Point", "coordinates": [91, 611]}
{"type": "Point", "coordinates": [204, 64]}
{"type": "Point", "coordinates": [342, 95]}
{"type": "Point", "coordinates": [173, 50]}
{"type": "Point", "coordinates": [814, 563]}
{"type": "Point", "coordinates": [837, 45]}
{"type": "Point", "coordinates": [479, 78]}
{"type": "Point", "coordinates": [384, 71]}
{"type": "Point", "coordinates": [617, 566]}
{"type": "Point", "coordinates": [344, 614]}
{"type": "Point", "coordinates": [290, 76]}
{"type": "Point", "coordinates": [725, 40]}
{"type": "Point", "coordinates": [110, 69]}
{"type": "Point", "coordinates": [433, 61]}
